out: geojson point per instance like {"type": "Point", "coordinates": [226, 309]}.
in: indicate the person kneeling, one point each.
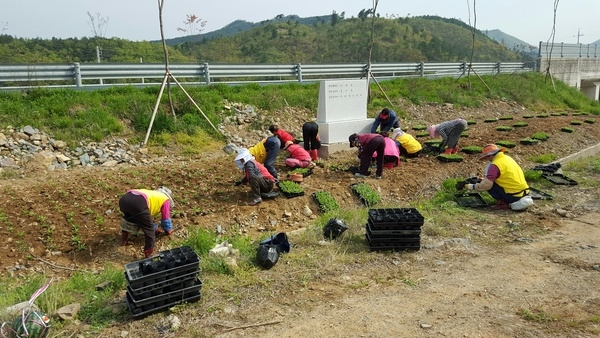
{"type": "Point", "coordinates": [503, 180]}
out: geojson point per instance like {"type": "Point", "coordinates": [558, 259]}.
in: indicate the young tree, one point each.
{"type": "Point", "coordinates": [191, 22]}
{"type": "Point", "coordinates": [98, 24]}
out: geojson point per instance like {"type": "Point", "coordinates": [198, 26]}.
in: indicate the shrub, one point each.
{"type": "Point", "coordinates": [544, 158]}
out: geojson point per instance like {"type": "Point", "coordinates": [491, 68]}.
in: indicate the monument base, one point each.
{"type": "Point", "coordinates": [334, 135]}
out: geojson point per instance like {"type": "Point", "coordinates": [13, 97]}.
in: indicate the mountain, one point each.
{"type": "Point", "coordinates": [239, 26]}
{"type": "Point", "coordinates": [511, 42]}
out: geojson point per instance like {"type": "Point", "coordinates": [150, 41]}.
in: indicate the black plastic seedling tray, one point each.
{"type": "Point", "coordinates": [183, 259]}
{"type": "Point", "coordinates": [167, 285]}
{"type": "Point", "coordinates": [395, 218]}
{"type": "Point", "coordinates": [389, 233]}
{"type": "Point", "coordinates": [322, 207]}
{"type": "Point", "coordinates": [539, 195]}
{"type": "Point", "coordinates": [559, 179]}
{"type": "Point", "coordinates": [290, 194]}
{"type": "Point", "coordinates": [167, 297]}
{"type": "Point", "coordinates": [138, 312]}
{"type": "Point", "coordinates": [308, 173]}
{"type": "Point", "coordinates": [393, 244]}
{"type": "Point", "coordinates": [470, 200]}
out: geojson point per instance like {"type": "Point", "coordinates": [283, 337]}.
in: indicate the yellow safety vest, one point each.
{"type": "Point", "coordinates": [511, 177]}
{"type": "Point", "coordinates": [409, 143]}
{"type": "Point", "coordinates": [259, 152]}
{"type": "Point", "coordinates": [155, 200]}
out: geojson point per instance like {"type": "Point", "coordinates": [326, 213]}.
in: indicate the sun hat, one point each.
{"type": "Point", "coordinates": [432, 130]}
{"type": "Point", "coordinates": [243, 154]}
{"type": "Point", "coordinates": [351, 139]}
{"type": "Point", "coordinates": [167, 192]}
{"type": "Point", "coordinates": [397, 132]}
{"type": "Point", "coordinates": [490, 150]}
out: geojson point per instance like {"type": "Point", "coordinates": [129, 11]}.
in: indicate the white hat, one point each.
{"type": "Point", "coordinates": [397, 132]}
{"type": "Point", "coordinates": [167, 192]}
{"type": "Point", "coordinates": [243, 154]}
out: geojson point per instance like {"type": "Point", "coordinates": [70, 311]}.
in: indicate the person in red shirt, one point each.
{"type": "Point", "coordinates": [285, 137]}
{"type": "Point", "coordinates": [260, 180]}
{"type": "Point", "coordinates": [299, 158]}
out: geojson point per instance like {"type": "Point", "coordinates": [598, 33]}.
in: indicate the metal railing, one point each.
{"type": "Point", "coordinates": [102, 75]}
{"type": "Point", "coordinates": [568, 50]}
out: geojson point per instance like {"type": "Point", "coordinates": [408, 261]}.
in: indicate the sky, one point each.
{"type": "Point", "coordinates": [528, 20]}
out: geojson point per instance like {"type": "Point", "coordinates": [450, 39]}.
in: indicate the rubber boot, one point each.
{"type": "Point", "coordinates": [448, 151]}
{"type": "Point", "coordinates": [124, 237]}
{"type": "Point", "coordinates": [314, 154]}
{"type": "Point", "coordinates": [455, 150]}
{"type": "Point", "coordinates": [148, 253]}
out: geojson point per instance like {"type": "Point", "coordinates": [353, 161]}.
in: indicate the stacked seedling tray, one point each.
{"type": "Point", "coordinates": [394, 229]}
{"type": "Point", "coordinates": [155, 284]}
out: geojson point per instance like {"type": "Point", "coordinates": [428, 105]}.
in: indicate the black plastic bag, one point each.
{"type": "Point", "coordinates": [334, 228]}
{"type": "Point", "coordinates": [267, 255]}
{"type": "Point", "coordinates": [280, 240]}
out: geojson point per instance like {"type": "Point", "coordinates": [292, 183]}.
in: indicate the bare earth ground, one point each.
{"type": "Point", "coordinates": [543, 267]}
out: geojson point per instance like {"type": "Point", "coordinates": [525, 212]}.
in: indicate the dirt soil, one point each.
{"type": "Point", "coordinates": [453, 287]}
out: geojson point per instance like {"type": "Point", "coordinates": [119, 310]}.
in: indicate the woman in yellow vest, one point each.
{"type": "Point", "coordinates": [503, 180]}
{"type": "Point", "coordinates": [140, 207]}
{"type": "Point", "coordinates": [408, 145]}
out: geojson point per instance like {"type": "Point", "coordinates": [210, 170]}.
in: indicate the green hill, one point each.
{"type": "Point", "coordinates": [319, 39]}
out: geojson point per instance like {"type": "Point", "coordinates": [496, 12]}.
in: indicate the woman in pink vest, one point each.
{"type": "Point", "coordinates": [299, 157]}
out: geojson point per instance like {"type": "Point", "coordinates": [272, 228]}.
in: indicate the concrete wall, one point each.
{"type": "Point", "coordinates": [581, 73]}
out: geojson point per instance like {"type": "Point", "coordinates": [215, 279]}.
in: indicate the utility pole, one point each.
{"type": "Point", "coordinates": [578, 35]}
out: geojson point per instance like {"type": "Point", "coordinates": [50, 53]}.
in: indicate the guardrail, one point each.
{"type": "Point", "coordinates": [568, 50]}
{"type": "Point", "coordinates": [101, 75]}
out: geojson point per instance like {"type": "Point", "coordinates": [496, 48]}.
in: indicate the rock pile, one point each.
{"type": "Point", "coordinates": [21, 145]}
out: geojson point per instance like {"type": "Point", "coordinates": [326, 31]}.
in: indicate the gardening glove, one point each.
{"type": "Point", "coordinates": [167, 226]}
{"type": "Point", "coordinates": [460, 185]}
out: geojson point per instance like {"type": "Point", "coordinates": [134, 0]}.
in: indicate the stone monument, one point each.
{"type": "Point", "coordinates": [342, 111]}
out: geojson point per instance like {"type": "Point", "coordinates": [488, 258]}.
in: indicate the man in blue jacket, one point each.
{"type": "Point", "coordinates": [385, 121]}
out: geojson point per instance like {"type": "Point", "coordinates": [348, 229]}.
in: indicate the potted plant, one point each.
{"type": "Point", "coordinates": [302, 171]}
{"type": "Point", "coordinates": [543, 115]}
{"type": "Point", "coordinates": [365, 193]}
{"type": "Point", "coordinates": [422, 134]}
{"type": "Point", "coordinates": [576, 123]}
{"type": "Point", "coordinates": [491, 120]}
{"type": "Point", "coordinates": [470, 122]}
{"type": "Point", "coordinates": [505, 117]}
{"type": "Point", "coordinates": [567, 129]}
{"type": "Point", "coordinates": [590, 121]}
{"type": "Point", "coordinates": [419, 127]}
{"type": "Point", "coordinates": [503, 128]}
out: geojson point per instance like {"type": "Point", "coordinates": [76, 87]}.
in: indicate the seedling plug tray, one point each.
{"type": "Point", "coordinates": [470, 200]}
{"type": "Point", "coordinates": [559, 179]}
{"type": "Point", "coordinates": [539, 195]}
